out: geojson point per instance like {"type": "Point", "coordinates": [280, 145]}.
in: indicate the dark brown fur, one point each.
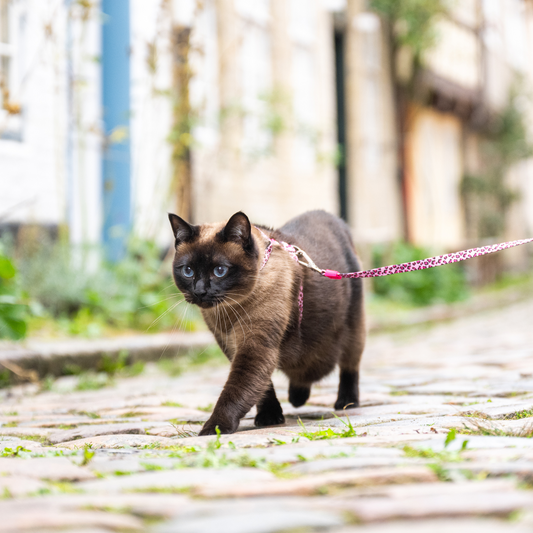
{"type": "Point", "coordinates": [254, 314]}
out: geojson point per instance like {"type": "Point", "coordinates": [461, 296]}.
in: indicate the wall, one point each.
{"type": "Point", "coordinates": [273, 157]}
{"type": "Point", "coordinates": [375, 203]}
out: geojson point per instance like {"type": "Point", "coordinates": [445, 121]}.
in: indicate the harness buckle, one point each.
{"type": "Point", "coordinates": [308, 263]}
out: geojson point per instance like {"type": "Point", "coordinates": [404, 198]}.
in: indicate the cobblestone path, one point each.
{"type": "Point", "coordinates": [442, 440]}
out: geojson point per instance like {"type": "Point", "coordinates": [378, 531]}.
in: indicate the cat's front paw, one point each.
{"type": "Point", "coordinates": [224, 427]}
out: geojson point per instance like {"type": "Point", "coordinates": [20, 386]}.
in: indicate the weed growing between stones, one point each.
{"type": "Point", "coordinates": [37, 438]}
{"type": "Point", "coordinates": [93, 381]}
{"type": "Point", "coordinates": [526, 413]}
{"type": "Point", "coordinates": [329, 433]}
{"type": "Point", "coordinates": [181, 431]}
{"type": "Point", "coordinates": [163, 490]}
{"type": "Point", "coordinates": [397, 392]}
{"type": "Point", "coordinates": [476, 414]}
{"type": "Point", "coordinates": [488, 430]}
{"type": "Point", "coordinates": [5, 379]}
{"type": "Point", "coordinates": [151, 467]}
{"type": "Point", "coordinates": [85, 413]}
{"type": "Point", "coordinates": [213, 457]}
{"type": "Point", "coordinates": [192, 359]}
{"type": "Point", "coordinates": [132, 414]}
{"type": "Point", "coordinates": [445, 456]}
{"type": "Point", "coordinates": [63, 487]}
{"type": "Point", "coordinates": [171, 404]}
{"type": "Point", "coordinates": [19, 451]}
{"type": "Point", "coordinates": [88, 455]}
{"type": "Point", "coordinates": [29, 454]}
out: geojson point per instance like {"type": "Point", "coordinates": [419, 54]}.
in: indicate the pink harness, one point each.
{"type": "Point", "coordinates": [293, 252]}
{"type": "Point", "coordinates": [422, 264]}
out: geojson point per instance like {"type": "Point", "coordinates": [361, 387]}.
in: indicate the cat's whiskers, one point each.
{"type": "Point", "coordinates": [164, 288]}
{"type": "Point", "coordinates": [225, 325]}
{"type": "Point", "coordinates": [163, 314]}
{"type": "Point", "coordinates": [238, 317]}
{"type": "Point", "coordinates": [160, 301]}
{"type": "Point", "coordinates": [247, 314]}
{"type": "Point", "coordinates": [183, 315]}
{"type": "Point", "coordinates": [232, 328]}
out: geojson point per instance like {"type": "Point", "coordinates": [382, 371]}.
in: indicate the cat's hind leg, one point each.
{"type": "Point", "coordinates": [298, 394]}
{"type": "Point", "coordinates": [348, 395]}
{"type": "Point", "coordinates": [349, 362]}
{"type": "Point", "coordinates": [269, 412]}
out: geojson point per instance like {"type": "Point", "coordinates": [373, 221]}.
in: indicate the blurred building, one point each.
{"type": "Point", "coordinates": [114, 112]}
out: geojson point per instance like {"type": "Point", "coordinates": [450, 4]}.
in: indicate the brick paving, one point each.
{"type": "Point", "coordinates": [126, 457]}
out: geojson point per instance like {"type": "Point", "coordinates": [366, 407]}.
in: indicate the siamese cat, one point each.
{"type": "Point", "coordinates": [266, 311]}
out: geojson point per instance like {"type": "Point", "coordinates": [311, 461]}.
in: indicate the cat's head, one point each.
{"type": "Point", "coordinates": [214, 262]}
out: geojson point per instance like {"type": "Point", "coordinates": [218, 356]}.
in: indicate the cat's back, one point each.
{"type": "Point", "coordinates": [325, 237]}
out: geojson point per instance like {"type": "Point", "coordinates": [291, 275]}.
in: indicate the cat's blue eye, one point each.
{"type": "Point", "coordinates": [221, 271]}
{"type": "Point", "coordinates": [187, 271]}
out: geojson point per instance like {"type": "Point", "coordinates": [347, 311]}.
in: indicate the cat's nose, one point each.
{"type": "Point", "coordinates": [200, 288]}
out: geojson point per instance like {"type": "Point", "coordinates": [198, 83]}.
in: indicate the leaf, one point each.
{"type": "Point", "coordinates": [450, 437]}
{"type": "Point", "coordinates": [12, 328]}
{"type": "Point", "coordinates": [7, 270]}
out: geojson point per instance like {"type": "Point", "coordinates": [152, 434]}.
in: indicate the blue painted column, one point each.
{"type": "Point", "coordinates": [116, 164]}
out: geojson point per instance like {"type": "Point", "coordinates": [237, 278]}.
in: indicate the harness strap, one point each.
{"type": "Point", "coordinates": [293, 252]}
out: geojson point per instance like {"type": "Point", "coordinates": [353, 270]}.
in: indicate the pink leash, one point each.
{"type": "Point", "coordinates": [422, 264]}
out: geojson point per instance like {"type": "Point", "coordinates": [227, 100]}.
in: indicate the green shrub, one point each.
{"type": "Point", "coordinates": [84, 295]}
{"type": "Point", "coordinates": [13, 312]}
{"type": "Point", "coordinates": [441, 284]}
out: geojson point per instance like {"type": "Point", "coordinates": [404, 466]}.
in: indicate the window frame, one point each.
{"type": "Point", "coordinates": [11, 112]}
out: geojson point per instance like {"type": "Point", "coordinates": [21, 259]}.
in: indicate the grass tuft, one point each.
{"type": "Point", "coordinates": [328, 433]}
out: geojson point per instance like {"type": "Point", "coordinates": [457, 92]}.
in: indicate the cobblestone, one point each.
{"type": "Point", "coordinates": [127, 456]}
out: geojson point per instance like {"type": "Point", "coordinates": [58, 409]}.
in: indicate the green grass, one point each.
{"type": "Point", "coordinates": [171, 404]}
{"type": "Point", "coordinates": [398, 393]}
{"type": "Point", "coordinates": [151, 467]}
{"type": "Point", "coordinates": [192, 359]}
{"type": "Point", "coordinates": [214, 457]}
{"type": "Point", "coordinates": [5, 379]}
{"type": "Point", "coordinates": [328, 433]}
{"type": "Point", "coordinates": [487, 431]}
{"type": "Point", "coordinates": [90, 414]}
{"type": "Point", "coordinates": [37, 438]}
{"type": "Point", "coordinates": [19, 451]}
{"type": "Point", "coordinates": [93, 381]}
{"type": "Point", "coordinates": [162, 490]}
{"type": "Point", "coordinates": [476, 414]}
{"type": "Point", "coordinates": [440, 457]}
{"type": "Point", "coordinates": [526, 413]}
{"type": "Point", "coordinates": [88, 455]}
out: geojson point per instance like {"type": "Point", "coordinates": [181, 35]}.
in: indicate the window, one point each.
{"type": "Point", "coordinates": [10, 109]}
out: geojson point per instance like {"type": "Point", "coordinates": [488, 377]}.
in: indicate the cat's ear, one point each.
{"type": "Point", "coordinates": [239, 230]}
{"type": "Point", "coordinates": [183, 231]}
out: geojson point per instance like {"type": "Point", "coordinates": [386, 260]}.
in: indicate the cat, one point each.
{"type": "Point", "coordinates": [249, 292]}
